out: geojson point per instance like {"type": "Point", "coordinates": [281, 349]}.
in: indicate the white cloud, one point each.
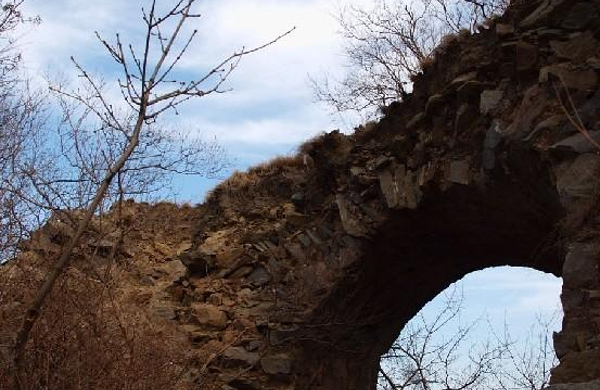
{"type": "Point", "coordinates": [271, 101]}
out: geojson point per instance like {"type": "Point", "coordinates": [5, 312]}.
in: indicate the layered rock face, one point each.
{"type": "Point", "coordinates": [300, 275]}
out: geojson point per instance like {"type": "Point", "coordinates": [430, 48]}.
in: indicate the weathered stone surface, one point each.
{"type": "Point", "coordinates": [277, 364]}
{"type": "Point", "coordinates": [165, 312]}
{"type": "Point", "coordinates": [239, 357]}
{"type": "Point", "coordinates": [459, 172]}
{"type": "Point", "coordinates": [399, 187]}
{"type": "Point", "coordinates": [533, 104]}
{"type": "Point", "coordinates": [580, 269]}
{"type": "Point", "coordinates": [350, 220]}
{"type": "Point", "coordinates": [570, 77]}
{"type": "Point", "coordinates": [504, 29]}
{"type": "Point", "coordinates": [434, 103]}
{"type": "Point", "coordinates": [259, 276]}
{"type": "Point", "coordinates": [274, 298]}
{"type": "Point", "coordinates": [490, 99]}
{"type": "Point", "coordinates": [209, 315]}
{"type": "Point", "coordinates": [541, 13]}
{"type": "Point", "coordinates": [578, 367]}
{"type": "Point", "coordinates": [579, 143]}
{"type": "Point", "coordinates": [576, 181]}
{"type": "Point", "coordinates": [594, 385]}
{"type": "Point", "coordinates": [579, 47]}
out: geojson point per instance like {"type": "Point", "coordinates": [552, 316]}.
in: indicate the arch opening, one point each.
{"type": "Point", "coordinates": [490, 329]}
{"type": "Point", "coordinates": [416, 254]}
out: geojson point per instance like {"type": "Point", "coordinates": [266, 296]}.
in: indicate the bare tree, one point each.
{"type": "Point", "coordinates": [527, 364]}
{"type": "Point", "coordinates": [434, 355]}
{"type": "Point", "coordinates": [387, 44]}
{"type": "Point", "coordinates": [21, 113]}
{"type": "Point", "coordinates": [109, 143]}
{"type": "Point", "coordinates": [440, 354]}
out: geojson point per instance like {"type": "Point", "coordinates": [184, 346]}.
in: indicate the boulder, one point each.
{"type": "Point", "coordinates": [580, 269]}
{"type": "Point", "coordinates": [209, 315]}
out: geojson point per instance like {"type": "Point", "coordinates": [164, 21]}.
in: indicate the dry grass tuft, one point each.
{"type": "Point", "coordinates": [88, 336]}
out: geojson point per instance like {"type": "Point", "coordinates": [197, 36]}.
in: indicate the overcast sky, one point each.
{"type": "Point", "coordinates": [270, 109]}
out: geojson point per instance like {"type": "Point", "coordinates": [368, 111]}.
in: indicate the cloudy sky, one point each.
{"type": "Point", "coordinates": [270, 109]}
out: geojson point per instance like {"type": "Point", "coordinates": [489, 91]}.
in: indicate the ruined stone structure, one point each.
{"type": "Point", "coordinates": [300, 276]}
{"type": "Point", "coordinates": [479, 167]}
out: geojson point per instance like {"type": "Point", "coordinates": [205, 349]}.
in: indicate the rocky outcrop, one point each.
{"type": "Point", "coordinates": [299, 276]}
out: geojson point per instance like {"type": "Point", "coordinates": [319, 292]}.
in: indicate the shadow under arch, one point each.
{"type": "Point", "coordinates": [418, 253]}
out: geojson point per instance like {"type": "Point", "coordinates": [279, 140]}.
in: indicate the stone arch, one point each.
{"type": "Point", "coordinates": [416, 254]}
{"type": "Point", "coordinates": [320, 266]}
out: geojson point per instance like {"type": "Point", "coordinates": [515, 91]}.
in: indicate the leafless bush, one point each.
{"type": "Point", "coordinates": [87, 338]}
{"type": "Point", "coordinates": [386, 45]}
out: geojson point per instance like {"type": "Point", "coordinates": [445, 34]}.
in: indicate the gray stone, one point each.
{"type": "Point", "coordinates": [551, 123]}
{"type": "Point", "coordinates": [576, 181]}
{"type": "Point", "coordinates": [304, 239]}
{"type": "Point", "coordinates": [465, 116]}
{"type": "Point", "coordinates": [579, 143]}
{"type": "Point", "coordinates": [377, 163]}
{"type": "Point", "coordinates": [239, 271]}
{"type": "Point", "coordinates": [489, 101]}
{"type": "Point", "coordinates": [277, 364]}
{"type": "Point", "coordinates": [580, 269]}
{"type": "Point", "coordinates": [259, 276]}
{"type": "Point", "coordinates": [571, 298]}
{"type": "Point", "coordinates": [239, 357]}
{"type": "Point", "coordinates": [459, 172]}
{"type": "Point", "coordinates": [314, 237]}
{"type": "Point", "coordinates": [579, 48]}
{"type": "Point", "coordinates": [493, 136]}
{"type": "Point", "coordinates": [533, 104]}
{"type": "Point", "coordinates": [489, 159]}
{"type": "Point", "coordinates": [400, 187]}
{"type": "Point", "coordinates": [594, 62]}
{"type": "Point", "coordinates": [350, 221]}
{"type": "Point", "coordinates": [541, 14]}
{"type": "Point", "coordinates": [570, 77]}
{"type": "Point", "coordinates": [595, 385]}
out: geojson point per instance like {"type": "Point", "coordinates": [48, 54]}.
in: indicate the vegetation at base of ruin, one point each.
{"type": "Point", "coordinates": [101, 152]}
